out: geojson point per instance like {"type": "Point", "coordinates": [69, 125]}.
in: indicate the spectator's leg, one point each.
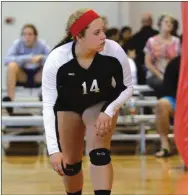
{"type": "Point", "coordinates": [163, 113]}
{"type": "Point", "coordinates": [38, 80]}
{"type": "Point", "coordinates": [156, 84]}
{"type": "Point", "coordinates": [14, 74]}
{"type": "Point", "coordinates": [38, 77]}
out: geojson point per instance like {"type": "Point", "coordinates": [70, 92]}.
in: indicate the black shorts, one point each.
{"type": "Point", "coordinates": [30, 83]}
{"type": "Point", "coordinates": [78, 109]}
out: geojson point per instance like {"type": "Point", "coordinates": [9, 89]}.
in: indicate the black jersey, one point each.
{"type": "Point", "coordinates": [66, 86]}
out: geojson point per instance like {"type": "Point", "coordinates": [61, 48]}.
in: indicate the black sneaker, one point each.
{"type": "Point", "coordinates": [9, 109]}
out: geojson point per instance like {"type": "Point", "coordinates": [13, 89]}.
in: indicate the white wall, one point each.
{"type": "Point", "coordinates": [124, 13]}
{"type": "Point", "coordinates": [156, 8]}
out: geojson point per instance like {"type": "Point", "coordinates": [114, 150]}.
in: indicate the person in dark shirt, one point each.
{"type": "Point", "coordinates": [175, 28]}
{"type": "Point", "coordinates": [86, 79]}
{"type": "Point", "coordinates": [125, 41]}
{"type": "Point", "coordinates": [138, 42]}
{"type": "Point", "coordinates": [165, 107]}
{"type": "Point", "coordinates": [125, 35]}
{"type": "Point", "coordinates": [112, 34]}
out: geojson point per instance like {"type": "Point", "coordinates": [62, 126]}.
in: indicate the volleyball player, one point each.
{"type": "Point", "coordinates": [86, 79]}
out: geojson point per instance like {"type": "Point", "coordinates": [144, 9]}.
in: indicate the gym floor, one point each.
{"type": "Point", "coordinates": [134, 174]}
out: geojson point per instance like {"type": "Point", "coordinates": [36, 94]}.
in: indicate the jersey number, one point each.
{"type": "Point", "coordinates": [94, 87]}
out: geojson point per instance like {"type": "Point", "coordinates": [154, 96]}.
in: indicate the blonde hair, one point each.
{"type": "Point", "coordinates": [73, 17]}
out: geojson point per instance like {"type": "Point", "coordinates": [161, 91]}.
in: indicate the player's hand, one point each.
{"type": "Point", "coordinates": [56, 160]}
{"type": "Point", "coordinates": [103, 124]}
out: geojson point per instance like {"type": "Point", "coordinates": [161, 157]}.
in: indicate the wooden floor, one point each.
{"type": "Point", "coordinates": [139, 175]}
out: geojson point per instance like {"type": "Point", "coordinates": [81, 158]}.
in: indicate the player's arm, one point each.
{"type": "Point", "coordinates": [123, 89]}
{"type": "Point", "coordinates": [49, 94]}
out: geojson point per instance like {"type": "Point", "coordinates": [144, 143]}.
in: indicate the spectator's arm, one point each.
{"type": "Point", "coordinates": [133, 43]}
{"type": "Point", "coordinates": [148, 62]}
{"type": "Point", "coordinates": [12, 56]}
{"type": "Point", "coordinates": [46, 51]}
{"type": "Point", "coordinates": [151, 67]}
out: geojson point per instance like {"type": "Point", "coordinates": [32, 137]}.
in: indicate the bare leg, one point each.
{"type": "Point", "coordinates": [38, 76]}
{"type": "Point", "coordinates": [14, 73]}
{"type": "Point", "coordinates": [71, 134]}
{"type": "Point", "coordinates": [101, 176]}
{"type": "Point", "coordinates": [163, 113]}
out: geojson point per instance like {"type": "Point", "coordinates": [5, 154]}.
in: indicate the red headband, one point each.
{"type": "Point", "coordinates": [82, 22]}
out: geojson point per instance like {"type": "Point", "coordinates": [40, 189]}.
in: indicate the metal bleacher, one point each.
{"type": "Point", "coordinates": [27, 98]}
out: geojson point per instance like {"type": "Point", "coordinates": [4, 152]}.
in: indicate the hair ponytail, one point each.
{"type": "Point", "coordinates": [68, 38]}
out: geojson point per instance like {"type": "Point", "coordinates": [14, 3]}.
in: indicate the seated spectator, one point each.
{"type": "Point", "coordinates": [159, 50]}
{"type": "Point", "coordinates": [175, 28]}
{"type": "Point", "coordinates": [138, 42]}
{"type": "Point", "coordinates": [112, 34]}
{"type": "Point", "coordinates": [25, 61]}
{"type": "Point", "coordinates": [165, 107]}
{"type": "Point", "coordinates": [125, 37]}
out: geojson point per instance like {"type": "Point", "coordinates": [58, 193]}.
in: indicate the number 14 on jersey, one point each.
{"type": "Point", "coordinates": [94, 87]}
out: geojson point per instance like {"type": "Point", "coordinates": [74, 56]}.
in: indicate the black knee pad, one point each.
{"type": "Point", "coordinates": [72, 170]}
{"type": "Point", "coordinates": [100, 156]}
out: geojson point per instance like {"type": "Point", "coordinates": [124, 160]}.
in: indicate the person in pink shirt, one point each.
{"type": "Point", "coordinates": [159, 50]}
